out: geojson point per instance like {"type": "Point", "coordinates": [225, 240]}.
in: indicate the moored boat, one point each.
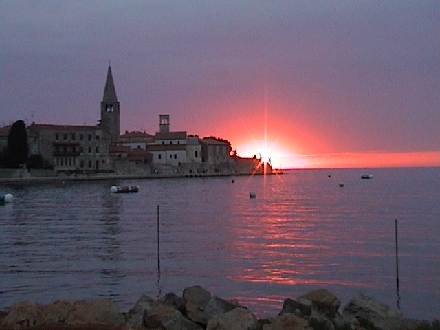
{"type": "Point", "coordinates": [124, 189]}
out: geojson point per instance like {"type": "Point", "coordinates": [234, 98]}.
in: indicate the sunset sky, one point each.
{"type": "Point", "coordinates": [310, 83]}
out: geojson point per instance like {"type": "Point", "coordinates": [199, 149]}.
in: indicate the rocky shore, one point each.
{"type": "Point", "coordinates": [198, 309]}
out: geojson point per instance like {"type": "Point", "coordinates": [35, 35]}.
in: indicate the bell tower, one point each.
{"type": "Point", "coordinates": [164, 123]}
{"type": "Point", "coordinates": [110, 114]}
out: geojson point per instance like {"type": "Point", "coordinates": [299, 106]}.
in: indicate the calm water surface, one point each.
{"type": "Point", "coordinates": [302, 232]}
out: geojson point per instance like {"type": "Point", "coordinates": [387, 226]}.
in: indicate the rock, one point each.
{"type": "Point", "coordinates": [287, 321]}
{"type": "Point", "coordinates": [135, 316]}
{"type": "Point", "coordinates": [324, 301]}
{"type": "Point", "coordinates": [294, 306]}
{"type": "Point", "coordinates": [95, 311]}
{"type": "Point", "coordinates": [168, 318]}
{"type": "Point", "coordinates": [22, 314]}
{"type": "Point", "coordinates": [196, 299]}
{"type": "Point", "coordinates": [172, 300]}
{"type": "Point", "coordinates": [370, 312]}
{"type": "Point", "coordinates": [320, 321]}
{"type": "Point", "coordinates": [217, 306]}
{"type": "Point", "coordinates": [29, 314]}
{"type": "Point", "coordinates": [237, 319]}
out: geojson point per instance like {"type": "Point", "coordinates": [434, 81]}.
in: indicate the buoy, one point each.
{"type": "Point", "coordinates": [6, 198]}
{"type": "Point", "coordinates": [252, 195]}
{"type": "Point", "coordinates": [232, 181]}
{"type": "Point", "coordinates": [124, 189]}
{"type": "Point", "coordinates": [341, 184]}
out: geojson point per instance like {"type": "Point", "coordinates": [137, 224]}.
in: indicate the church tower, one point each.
{"type": "Point", "coordinates": [110, 114]}
{"type": "Point", "coordinates": [164, 123]}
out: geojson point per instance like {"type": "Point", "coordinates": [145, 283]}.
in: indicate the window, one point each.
{"type": "Point", "coordinates": [175, 156]}
{"type": "Point", "coordinates": [73, 136]}
{"type": "Point", "coordinates": [90, 164]}
{"type": "Point", "coordinates": [65, 136]}
{"type": "Point", "coordinates": [90, 137]}
{"type": "Point", "coordinates": [81, 164]}
{"type": "Point", "coordinates": [97, 137]}
{"type": "Point", "coordinates": [159, 156]}
{"type": "Point", "coordinates": [81, 137]}
{"type": "Point", "coordinates": [56, 136]}
{"type": "Point", "coordinates": [171, 142]}
{"type": "Point", "coordinates": [171, 156]}
{"type": "Point", "coordinates": [90, 150]}
{"type": "Point", "coordinates": [195, 154]}
{"type": "Point", "coordinates": [97, 150]}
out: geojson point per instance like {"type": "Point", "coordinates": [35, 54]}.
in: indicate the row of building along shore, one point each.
{"type": "Point", "coordinates": [102, 151]}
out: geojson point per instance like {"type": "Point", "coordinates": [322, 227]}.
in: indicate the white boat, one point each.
{"type": "Point", "coordinates": [124, 189]}
{"type": "Point", "coordinates": [366, 176]}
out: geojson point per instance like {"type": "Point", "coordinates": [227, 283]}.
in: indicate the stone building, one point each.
{"type": "Point", "coordinates": [80, 148]}
{"type": "Point", "coordinates": [101, 148]}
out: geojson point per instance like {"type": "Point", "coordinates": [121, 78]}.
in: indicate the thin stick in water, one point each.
{"type": "Point", "coordinates": [397, 266]}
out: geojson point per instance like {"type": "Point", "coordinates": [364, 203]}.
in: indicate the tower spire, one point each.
{"type": "Point", "coordinates": [109, 89]}
{"type": "Point", "coordinates": [110, 112]}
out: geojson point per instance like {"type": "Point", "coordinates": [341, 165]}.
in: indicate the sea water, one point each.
{"type": "Point", "coordinates": [301, 232]}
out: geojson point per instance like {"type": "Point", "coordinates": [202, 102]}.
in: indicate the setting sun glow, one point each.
{"type": "Point", "coordinates": [272, 153]}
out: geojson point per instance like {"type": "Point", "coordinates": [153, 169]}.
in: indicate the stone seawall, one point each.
{"type": "Point", "coordinates": [198, 309]}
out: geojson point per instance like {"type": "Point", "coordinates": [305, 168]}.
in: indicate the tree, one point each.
{"type": "Point", "coordinates": [18, 148]}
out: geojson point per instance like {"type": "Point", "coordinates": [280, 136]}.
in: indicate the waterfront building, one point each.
{"type": "Point", "coordinates": [101, 148]}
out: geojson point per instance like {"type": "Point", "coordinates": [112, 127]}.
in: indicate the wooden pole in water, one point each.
{"type": "Point", "coordinates": [158, 242]}
{"type": "Point", "coordinates": [397, 265]}
{"type": "Point", "coordinates": [158, 255]}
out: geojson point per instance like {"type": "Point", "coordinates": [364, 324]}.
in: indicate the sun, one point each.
{"type": "Point", "coordinates": [267, 152]}
{"type": "Point", "coordinates": [273, 153]}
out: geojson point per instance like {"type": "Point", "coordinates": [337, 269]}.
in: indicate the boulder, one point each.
{"type": "Point", "coordinates": [135, 316]}
{"type": "Point", "coordinates": [196, 299]}
{"type": "Point", "coordinates": [372, 313]}
{"type": "Point", "coordinates": [287, 321]}
{"type": "Point", "coordinates": [320, 321]}
{"type": "Point", "coordinates": [217, 306]}
{"type": "Point", "coordinates": [29, 314]}
{"type": "Point", "coordinates": [95, 311]}
{"type": "Point", "coordinates": [323, 300]}
{"type": "Point", "coordinates": [294, 306]}
{"type": "Point", "coordinates": [168, 318]}
{"type": "Point", "coordinates": [23, 314]}
{"type": "Point", "coordinates": [237, 319]}
{"type": "Point", "coordinates": [172, 300]}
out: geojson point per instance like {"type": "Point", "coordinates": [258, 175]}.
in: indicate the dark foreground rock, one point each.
{"type": "Point", "coordinates": [198, 309]}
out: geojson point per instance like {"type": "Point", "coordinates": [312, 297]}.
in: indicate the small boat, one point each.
{"type": "Point", "coordinates": [6, 198]}
{"type": "Point", "coordinates": [124, 189]}
{"type": "Point", "coordinates": [366, 176]}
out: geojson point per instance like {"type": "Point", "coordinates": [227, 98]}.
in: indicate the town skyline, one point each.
{"type": "Point", "coordinates": [316, 84]}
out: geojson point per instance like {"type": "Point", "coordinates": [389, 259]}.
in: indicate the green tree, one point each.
{"type": "Point", "coordinates": [18, 148]}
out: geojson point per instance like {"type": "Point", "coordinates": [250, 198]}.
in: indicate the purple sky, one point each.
{"type": "Point", "coordinates": [321, 76]}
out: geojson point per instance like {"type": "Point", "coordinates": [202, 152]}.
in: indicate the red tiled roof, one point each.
{"type": "Point", "coordinates": [61, 127]}
{"type": "Point", "coordinates": [119, 149]}
{"type": "Point", "coordinates": [136, 134]}
{"type": "Point", "coordinates": [170, 135]}
{"type": "Point", "coordinates": [214, 141]}
{"type": "Point", "coordinates": [164, 147]}
{"type": "Point", "coordinates": [138, 154]}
